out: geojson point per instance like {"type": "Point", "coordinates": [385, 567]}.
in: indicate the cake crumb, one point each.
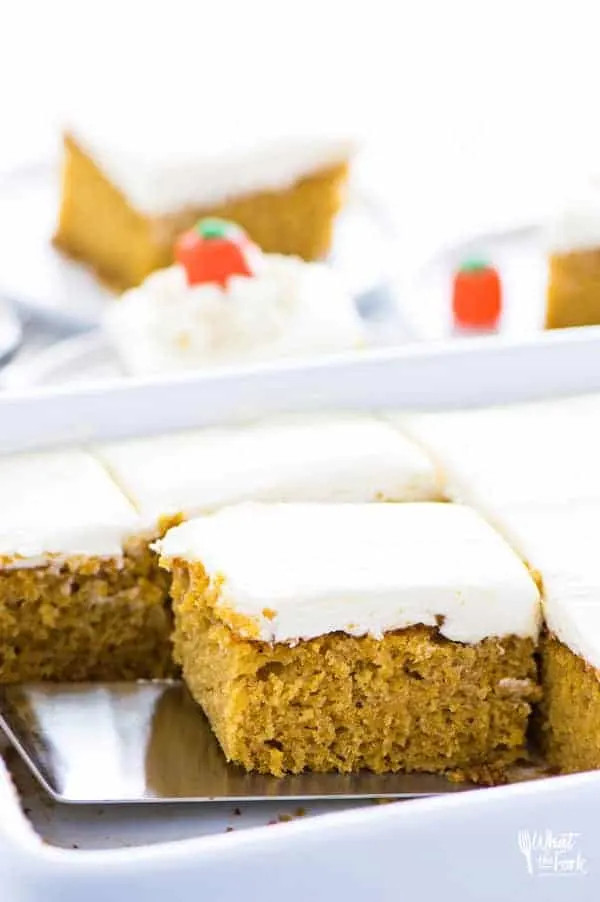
{"type": "Point", "coordinates": [237, 812]}
{"type": "Point", "coordinates": [269, 613]}
{"type": "Point", "coordinates": [284, 818]}
{"type": "Point", "coordinates": [300, 812]}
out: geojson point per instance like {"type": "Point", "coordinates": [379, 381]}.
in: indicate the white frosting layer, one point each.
{"type": "Point", "coordinates": [561, 542]}
{"type": "Point", "coordinates": [167, 162]}
{"type": "Point", "coordinates": [300, 570]}
{"type": "Point", "coordinates": [498, 456]}
{"type": "Point", "coordinates": [59, 504]}
{"type": "Point", "coordinates": [533, 469]}
{"type": "Point", "coordinates": [301, 457]}
{"type": "Point", "coordinates": [576, 224]}
{"type": "Point", "coordinates": [289, 309]}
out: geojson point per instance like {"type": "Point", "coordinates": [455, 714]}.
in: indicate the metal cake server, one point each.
{"type": "Point", "coordinates": [149, 742]}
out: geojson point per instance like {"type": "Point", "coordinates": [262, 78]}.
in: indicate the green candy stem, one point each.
{"type": "Point", "coordinates": [213, 228]}
{"type": "Point", "coordinates": [474, 265]}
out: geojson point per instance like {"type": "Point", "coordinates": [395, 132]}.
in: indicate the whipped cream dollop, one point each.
{"type": "Point", "coordinates": [288, 308]}
{"type": "Point", "coordinates": [297, 571]}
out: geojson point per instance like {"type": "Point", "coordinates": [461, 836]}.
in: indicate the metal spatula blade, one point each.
{"type": "Point", "coordinates": [149, 742]}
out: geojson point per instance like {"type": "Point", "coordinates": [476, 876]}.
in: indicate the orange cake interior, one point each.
{"type": "Point", "coordinates": [573, 297]}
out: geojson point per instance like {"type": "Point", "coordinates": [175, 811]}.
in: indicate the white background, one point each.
{"type": "Point", "coordinates": [476, 111]}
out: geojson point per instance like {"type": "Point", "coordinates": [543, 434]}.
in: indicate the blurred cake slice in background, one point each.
{"type": "Point", "coordinates": [130, 187]}
{"type": "Point", "coordinates": [573, 241]}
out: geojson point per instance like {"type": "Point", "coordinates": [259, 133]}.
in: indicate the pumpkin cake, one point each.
{"type": "Point", "coordinates": [333, 456]}
{"type": "Point", "coordinates": [129, 188]}
{"type": "Point", "coordinates": [559, 541]}
{"type": "Point", "coordinates": [380, 636]}
{"type": "Point", "coordinates": [81, 593]}
{"type": "Point", "coordinates": [573, 243]}
{"type": "Point", "coordinates": [533, 470]}
{"type": "Point", "coordinates": [494, 457]}
{"type": "Point", "coordinates": [81, 596]}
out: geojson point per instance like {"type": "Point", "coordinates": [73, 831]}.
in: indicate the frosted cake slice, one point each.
{"type": "Point", "coordinates": [560, 542]}
{"type": "Point", "coordinates": [514, 454]}
{"type": "Point", "coordinates": [572, 240]}
{"type": "Point", "coordinates": [80, 597]}
{"type": "Point", "coordinates": [532, 469]}
{"type": "Point", "coordinates": [302, 457]}
{"type": "Point", "coordinates": [132, 184]}
{"type": "Point", "coordinates": [339, 637]}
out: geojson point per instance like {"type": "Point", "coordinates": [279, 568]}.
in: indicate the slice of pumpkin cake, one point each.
{"type": "Point", "coordinates": [80, 594]}
{"type": "Point", "coordinates": [329, 456]}
{"type": "Point", "coordinates": [132, 183]}
{"type": "Point", "coordinates": [338, 637]}
{"type": "Point", "coordinates": [559, 541]}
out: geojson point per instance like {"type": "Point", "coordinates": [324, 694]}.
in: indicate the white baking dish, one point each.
{"type": "Point", "coordinates": [467, 846]}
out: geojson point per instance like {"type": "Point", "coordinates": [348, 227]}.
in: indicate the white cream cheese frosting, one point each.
{"type": "Point", "coordinates": [164, 163]}
{"type": "Point", "coordinates": [532, 469]}
{"type": "Point", "coordinates": [59, 504]}
{"type": "Point", "coordinates": [288, 309]}
{"type": "Point", "coordinates": [330, 456]}
{"type": "Point", "coordinates": [515, 454]}
{"type": "Point", "coordinates": [575, 225]}
{"type": "Point", "coordinates": [297, 571]}
{"type": "Point", "coordinates": [560, 540]}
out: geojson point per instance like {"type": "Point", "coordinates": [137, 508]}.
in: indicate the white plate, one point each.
{"type": "Point", "coordinates": [11, 332]}
{"type": "Point", "coordinates": [521, 260]}
{"type": "Point", "coordinates": [43, 281]}
{"type": "Point", "coordinates": [463, 846]}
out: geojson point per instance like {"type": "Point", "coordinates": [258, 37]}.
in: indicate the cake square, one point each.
{"type": "Point", "coordinates": [339, 637]}
{"type": "Point", "coordinates": [330, 456]}
{"type": "Point", "coordinates": [572, 241]}
{"type": "Point", "coordinates": [129, 188]}
{"type": "Point", "coordinates": [559, 540]}
{"type": "Point", "coordinates": [532, 469]}
{"type": "Point", "coordinates": [526, 453]}
{"type": "Point", "coordinates": [81, 596]}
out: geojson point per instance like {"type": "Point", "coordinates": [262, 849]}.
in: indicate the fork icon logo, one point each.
{"type": "Point", "coordinates": [549, 854]}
